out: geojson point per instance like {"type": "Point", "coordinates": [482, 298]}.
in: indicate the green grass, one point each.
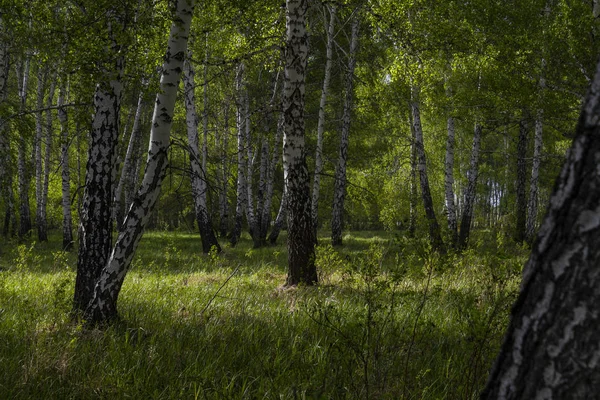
{"type": "Point", "coordinates": [389, 320]}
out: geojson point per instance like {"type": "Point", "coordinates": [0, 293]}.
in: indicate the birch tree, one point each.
{"type": "Point", "coordinates": [301, 240]}
{"type": "Point", "coordinates": [321, 120]}
{"type": "Point", "coordinates": [339, 191]}
{"type": "Point", "coordinates": [449, 175]}
{"type": "Point", "coordinates": [197, 161]}
{"type": "Point", "coordinates": [435, 236]}
{"type": "Point", "coordinates": [241, 193]}
{"type": "Point", "coordinates": [22, 165]}
{"type": "Point", "coordinates": [551, 348]}
{"type": "Point", "coordinates": [103, 306]}
{"type": "Point", "coordinates": [66, 172]}
{"type": "Point", "coordinates": [469, 194]}
{"type": "Point", "coordinates": [521, 204]}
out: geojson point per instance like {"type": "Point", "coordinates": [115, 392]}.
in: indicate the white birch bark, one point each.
{"type": "Point", "coordinates": [198, 165]}
{"type": "Point", "coordinates": [250, 215]}
{"type": "Point", "coordinates": [48, 150]}
{"type": "Point", "coordinates": [321, 120]}
{"type": "Point", "coordinates": [301, 240]}
{"type": "Point", "coordinates": [103, 306]}
{"type": "Point", "coordinates": [224, 173]}
{"type": "Point", "coordinates": [449, 175]}
{"type": "Point", "coordinates": [241, 193]}
{"type": "Point", "coordinates": [66, 173]}
{"type": "Point", "coordinates": [339, 191]}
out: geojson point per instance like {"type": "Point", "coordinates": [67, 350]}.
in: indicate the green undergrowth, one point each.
{"type": "Point", "coordinates": [390, 319]}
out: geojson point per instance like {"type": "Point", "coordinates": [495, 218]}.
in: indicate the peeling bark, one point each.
{"type": "Point", "coordinates": [301, 241]}
{"type": "Point", "coordinates": [551, 348]}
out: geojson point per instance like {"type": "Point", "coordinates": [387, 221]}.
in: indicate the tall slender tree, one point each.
{"type": "Point", "coordinates": [301, 240]}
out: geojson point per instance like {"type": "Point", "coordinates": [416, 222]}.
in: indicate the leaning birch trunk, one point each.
{"type": "Point", "coordinates": [551, 348]}
{"type": "Point", "coordinates": [301, 240]}
{"type": "Point", "coordinates": [469, 202]}
{"type": "Point", "coordinates": [241, 203]}
{"type": "Point", "coordinates": [321, 120]}
{"type": "Point", "coordinates": [435, 236]}
{"type": "Point", "coordinates": [521, 206]}
{"type": "Point", "coordinates": [40, 220]}
{"type": "Point", "coordinates": [66, 173]}
{"type": "Point", "coordinates": [339, 191]}
{"type": "Point", "coordinates": [198, 171]}
{"type": "Point", "coordinates": [103, 306]}
{"type": "Point", "coordinates": [95, 226]}
{"type": "Point", "coordinates": [22, 175]}
{"type": "Point", "coordinates": [126, 186]}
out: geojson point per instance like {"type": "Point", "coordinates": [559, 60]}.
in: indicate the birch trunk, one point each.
{"type": "Point", "coordinates": [435, 236]}
{"type": "Point", "coordinates": [224, 171]}
{"type": "Point", "coordinates": [532, 207]}
{"type": "Point", "coordinates": [266, 218]}
{"type": "Point", "coordinates": [279, 219]}
{"type": "Point", "coordinates": [5, 164]}
{"type": "Point", "coordinates": [103, 306]}
{"type": "Point", "coordinates": [469, 202]}
{"type": "Point", "coordinates": [301, 241]}
{"type": "Point", "coordinates": [551, 348]}
{"type": "Point", "coordinates": [197, 165]}
{"type": "Point", "coordinates": [413, 195]}
{"type": "Point", "coordinates": [37, 146]}
{"type": "Point", "coordinates": [321, 120]}
{"type": "Point", "coordinates": [449, 182]}
{"type": "Point", "coordinates": [66, 173]}
{"type": "Point", "coordinates": [250, 215]}
{"type": "Point", "coordinates": [95, 227]}
{"type": "Point", "coordinates": [126, 187]}
{"type": "Point", "coordinates": [22, 167]}
{"type": "Point", "coordinates": [521, 206]}
{"type": "Point", "coordinates": [339, 191]}
{"type": "Point", "coordinates": [241, 193]}
{"type": "Point", "coordinates": [48, 153]}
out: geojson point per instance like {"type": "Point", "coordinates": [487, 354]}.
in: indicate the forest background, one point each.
{"type": "Point", "coordinates": [424, 122]}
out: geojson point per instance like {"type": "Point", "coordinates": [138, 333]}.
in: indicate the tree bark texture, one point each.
{"type": "Point", "coordinates": [66, 173]}
{"type": "Point", "coordinates": [197, 165]}
{"type": "Point", "coordinates": [339, 190]}
{"type": "Point", "coordinates": [469, 202]}
{"type": "Point", "coordinates": [435, 236]}
{"type": "Point", "coordinates": [103, 306]}
{"type": "Point", "coordinates": [521, 206]}
{"type": "Point", "coordinates": [321, 120]}
{"type": "Point", "coordinates": [551, 349]}
{"type": "Point", "coordinates": [301, 241]}
{"type": "Point", "coordinates": [95, 227]}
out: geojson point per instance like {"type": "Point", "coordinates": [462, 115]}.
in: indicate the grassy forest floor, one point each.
{"type": "Point", "coordinates": [389, 320]}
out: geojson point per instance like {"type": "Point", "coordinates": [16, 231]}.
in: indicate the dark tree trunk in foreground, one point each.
{"type": "Point", "coordinates": [103, 306]}
{"type": "Point", "coordinates": [435, 236]}
{"type": "Point", "coordinates": [301, 240]}
{"type": "Point", "coordinates": [551, 349]}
